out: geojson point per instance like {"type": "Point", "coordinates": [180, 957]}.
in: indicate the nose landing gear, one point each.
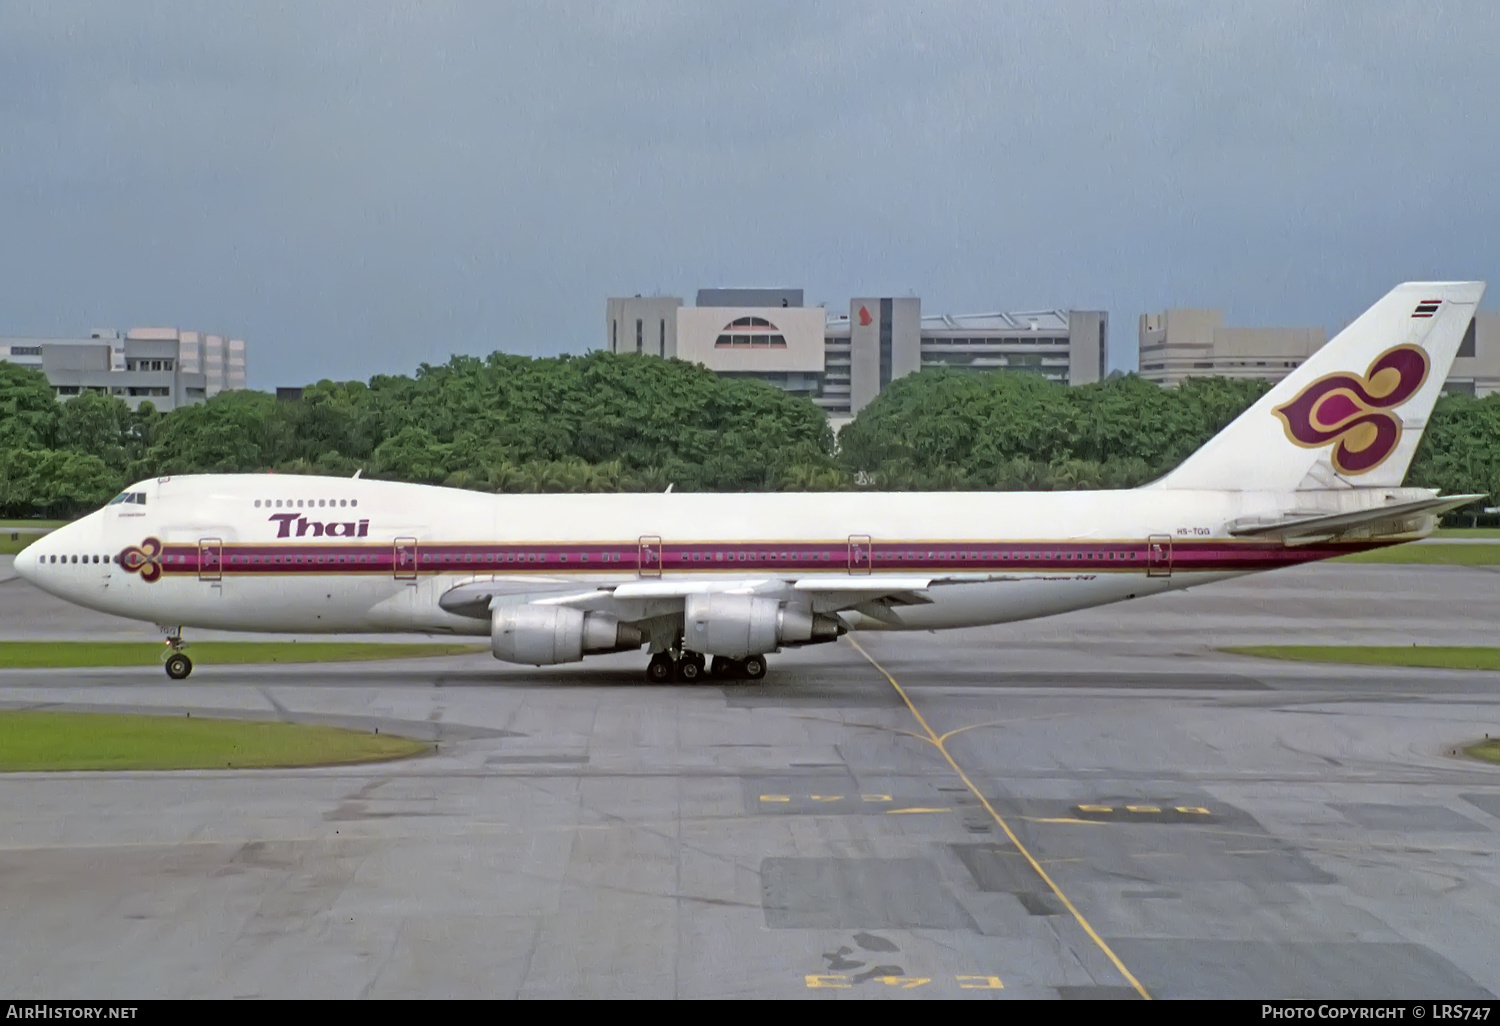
{"type": "Point", "coordinates": [178, 665]}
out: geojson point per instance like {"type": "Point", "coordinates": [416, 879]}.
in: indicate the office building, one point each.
{"type": "Point", "coordinates": [1178, 344]}
{"type": "Point", "coordinates": [164, 366]}
{"type": "Point", "coordinates": [843, 361]}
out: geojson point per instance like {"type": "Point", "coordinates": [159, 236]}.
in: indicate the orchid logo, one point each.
{"type": "Point", "coordinates": [1350, 412]}
{"type": "Point", "coordinates": [144, 560]}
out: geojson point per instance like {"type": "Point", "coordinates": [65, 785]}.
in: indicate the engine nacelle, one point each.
{"type": "Point", "coordinates": [545, 635]}
{"type": "Point", "coordinates": [735, 626]}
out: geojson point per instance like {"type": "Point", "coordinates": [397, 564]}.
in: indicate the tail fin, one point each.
{"type": "Point", "coordinates": [1352, 415]}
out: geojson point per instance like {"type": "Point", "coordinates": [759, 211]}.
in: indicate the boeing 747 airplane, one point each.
{"type": "Point", "coordinates": [1312, 470]}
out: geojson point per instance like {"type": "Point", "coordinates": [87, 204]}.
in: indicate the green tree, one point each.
{"type": "Point", "coordinates": [53, 482]}
{"type": "Point", "coordinates": [28, 407]}
{"type": "Point", "coordinates": [98, 425]}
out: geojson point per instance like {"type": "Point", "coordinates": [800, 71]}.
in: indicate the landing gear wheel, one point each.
{"type": "Point", "coordinates": [723, 669]}
{"type": "Point", "coordinates": [754, 667]}
{"type": "Point", "coordinates": [179, 666]}
{"type": "Point", "coordinates": [690, 669]}
{"type": "Point", "coordinates": [660, 669]}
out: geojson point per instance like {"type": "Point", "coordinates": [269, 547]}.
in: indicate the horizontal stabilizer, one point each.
{"type": "Point", "coordinates": [1296, 527]}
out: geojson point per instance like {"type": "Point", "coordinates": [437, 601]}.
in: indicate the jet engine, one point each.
{"type": "Point", "coordinates": [544, 635]}
{"type": "Point", "coordinates": [735, 626]}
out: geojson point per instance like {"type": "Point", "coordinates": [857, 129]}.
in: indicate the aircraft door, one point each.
{"type": "Point", "coordinates": [861, 554]}
{"type": "Point", "coordinates": [648, 562]}
{"type": "Point", "coordinates": [1159, 555]}
{"type": "Point", "coordinates": [404, 559]}
{"type": "Point", "coordinates": [210, 559]}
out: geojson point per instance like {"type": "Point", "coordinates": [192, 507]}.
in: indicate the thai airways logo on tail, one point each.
{"type": "Point", "coordinates": [1350, 412]}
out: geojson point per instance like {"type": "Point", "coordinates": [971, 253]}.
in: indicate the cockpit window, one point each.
{"type": "Point", "coordinates": [138, 498]}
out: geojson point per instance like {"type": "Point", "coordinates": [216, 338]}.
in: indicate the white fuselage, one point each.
{"type": "Point", "coordinates": [289, 554]}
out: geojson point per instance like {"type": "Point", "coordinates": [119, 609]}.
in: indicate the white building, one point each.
{"type": "Point", "coordinates": [843, 361]}
{"type": "Point", "coordinates": [167, 367]}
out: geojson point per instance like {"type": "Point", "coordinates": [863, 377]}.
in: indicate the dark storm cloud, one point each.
{"type": "Point", "coordinates": [356, 188]}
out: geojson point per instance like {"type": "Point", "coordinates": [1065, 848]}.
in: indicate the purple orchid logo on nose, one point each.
{"type": "Point", "coordinates": [144, 559]}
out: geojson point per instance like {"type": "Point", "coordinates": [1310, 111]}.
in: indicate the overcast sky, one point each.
{"type": "Point", "coordinates": [356, 188]}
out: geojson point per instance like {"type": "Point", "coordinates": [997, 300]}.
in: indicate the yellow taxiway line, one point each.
{"type": "Point", "coordinates": [940, 745]}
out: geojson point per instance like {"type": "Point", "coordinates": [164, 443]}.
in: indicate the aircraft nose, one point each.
{"type": "Point", "coordinates": [26, 561]}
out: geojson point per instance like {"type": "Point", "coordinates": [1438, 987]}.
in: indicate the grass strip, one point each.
{"type": "Point", "coordinates": [37, 654]}
{"type": "Point", "coordinates": [10, 546]}
{"type": "Point", "coordinates": [1436, 554]}
{"type": "Point", "coordinates": [35, 740]}
{"type": "Point", "coordinates": [1439, 657]}
{"type": "Point", "coordinates": [1489, 750]}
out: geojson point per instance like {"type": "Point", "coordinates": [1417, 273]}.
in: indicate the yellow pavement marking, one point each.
{"type": "Point", "coordinates": [815, 980]}
{"type": "Point", "coordinates": [1059, 819]}
{"type": "Point", "coordinates": [1186, 810]}
{"type": "Point", "coordinates": [898, 812]}
{"type": "Point", "coordinates": [842, 981]}
{"type": "Point", "coordinates": [1001, 723]}
{"type": "Point", "coordinates": [937, 743]}
{"type": "Point", "coordinates": [826, 797]}
{"type": "Point", "coordinates": [985, 983]}
{"type": "Point", "coordinates": [775, 797]}
{"type": "Point", "coordinates": [876, 798]}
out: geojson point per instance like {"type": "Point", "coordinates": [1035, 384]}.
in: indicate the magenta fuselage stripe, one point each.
{"type": "Point", "coordinates": [989, 557]}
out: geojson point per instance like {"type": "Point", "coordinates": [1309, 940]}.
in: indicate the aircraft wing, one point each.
{"type": "Point", "coordinates": [1305, 529]}
{"type": "Point", "coordinates": [873, 595]}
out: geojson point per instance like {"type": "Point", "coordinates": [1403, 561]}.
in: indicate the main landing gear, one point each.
{"type": "Point", "coordinates": [691, 667]}
{"type": "Point", "coordinates": [178, 665]}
